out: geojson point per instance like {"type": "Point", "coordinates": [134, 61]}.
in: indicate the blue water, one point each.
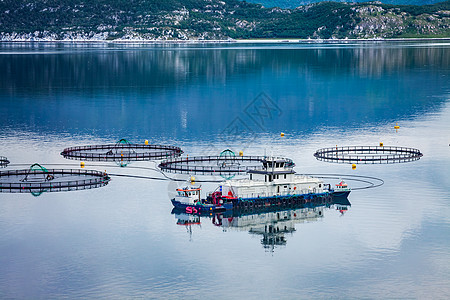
{"type": "Point", "coordinates": [121, 240]}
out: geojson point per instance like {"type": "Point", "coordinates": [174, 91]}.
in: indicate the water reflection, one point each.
{"type": "Point", "coordinates": [272, 225]}
{"type": "Point", "coordinates": [153, 67]}
{"type": "Point", "coordinates": [172, 91]}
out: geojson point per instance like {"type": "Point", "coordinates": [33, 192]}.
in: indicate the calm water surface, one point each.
{"type": "Point", "coordinates": [121, 241]}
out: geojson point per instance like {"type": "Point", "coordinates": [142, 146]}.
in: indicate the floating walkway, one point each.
{"type": "Point", "coordinates": [368, 154]}
{"type": "Point", "coordinates": [121, 151]}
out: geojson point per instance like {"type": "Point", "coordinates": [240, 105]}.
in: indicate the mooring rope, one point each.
{"type": "Point", "coordinates": [369, 180]}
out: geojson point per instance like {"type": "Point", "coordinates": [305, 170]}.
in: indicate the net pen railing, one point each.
{"type": "Point", "coordinates": [131, 153]}
{"type": "Point", "coordinates": [223, 164]}
{"type": "Point", "coordinates": [99, 179]}
{"type": "Point", "coordinates": [368, 154]}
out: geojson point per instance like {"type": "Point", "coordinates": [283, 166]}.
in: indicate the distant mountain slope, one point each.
{"type": "Point", "coordinates": [214, 19]}
{"type": "Point", "coordinates": [297, 3]}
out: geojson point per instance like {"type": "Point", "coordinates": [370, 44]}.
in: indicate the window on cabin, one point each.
{"type": "Point", "coordinates": [284, 176]}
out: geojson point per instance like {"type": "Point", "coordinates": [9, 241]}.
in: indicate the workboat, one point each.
{"type": "Point", "coordinates": [274, 184]}
{"type": "Point", "coordinates": [188, 199]}
{"type": "Point", "coordinates": [341, 190]}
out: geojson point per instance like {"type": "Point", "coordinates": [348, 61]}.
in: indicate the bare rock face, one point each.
{"type": "Point", "coordinates": [50, 20]}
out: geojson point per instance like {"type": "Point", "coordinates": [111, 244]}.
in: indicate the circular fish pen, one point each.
{"type": "Point", "coordinates": [38, 179]}
{"type": "Point", "coordinates": [3, 162]}
{"type": "Point", "coordinates": [368, 154]}
{"type": "Point", "coordinates": [225, 164]}
{"type": "Point", "coordinates": [121, 151]}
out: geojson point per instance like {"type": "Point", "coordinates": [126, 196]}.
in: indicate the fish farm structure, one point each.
{"type": "Point", "coordinates": [226, 163]}
{"type": "Point", "coordinates": [38, 179]}
{"type": "Point", "coordinates": [3, 162]}
{"type": "Point", "coordinates": [123, 150]}
{"type": "Point", "coordinates": [368, 154]}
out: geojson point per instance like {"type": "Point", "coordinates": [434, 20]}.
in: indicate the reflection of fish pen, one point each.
{"type": "Point", "coordinates": [121, 151]}
{"type": "Point", "coordinates": [368, 154]}
{"type": "Point", "coordinates": [214, 164]}
{"type": "Point", "coordinates": [3, 162]}
{"type": "Point", "coordinates": [38, 179]}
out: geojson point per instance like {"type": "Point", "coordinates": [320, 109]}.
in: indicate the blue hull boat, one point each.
{"type": "Point", "coordinates": [201, 208]}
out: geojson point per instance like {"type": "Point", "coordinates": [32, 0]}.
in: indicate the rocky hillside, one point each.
{"type": "Point", "coordinates": [297, 3]}
{"type": "Point", "coordinates": [214, 19]}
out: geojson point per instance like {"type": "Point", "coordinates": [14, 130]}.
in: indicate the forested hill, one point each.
{"type": "Point", "coordinates": [215, 19]}
{"type": "Point", "coordinates": [296, 3]}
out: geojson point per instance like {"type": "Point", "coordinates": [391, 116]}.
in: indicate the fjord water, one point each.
{"type": "Point", "coordinates": [121, 240]}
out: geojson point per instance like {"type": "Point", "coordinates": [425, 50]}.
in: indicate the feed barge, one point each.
{"type": "Point", "coordinates": [274, 184]}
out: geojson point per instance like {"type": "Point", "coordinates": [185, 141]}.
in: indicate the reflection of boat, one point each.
{"type": "Point", "coordinates": [272, 226]}
{"type": "Point", "coordinates": [272, 223]}
{"type": "Point", "coordinates": [188, 219]}
{"type": "Point", "coordinates": [342, 204]}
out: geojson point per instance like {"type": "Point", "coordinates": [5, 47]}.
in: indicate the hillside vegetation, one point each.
{"type": "Point", "coordinates": [215, 19]}
{"type": "Point", "coordinates": [297, 3]}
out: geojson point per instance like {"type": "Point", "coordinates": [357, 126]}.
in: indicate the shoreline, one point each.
{"type": "Point", "coordinates": [232, 41]}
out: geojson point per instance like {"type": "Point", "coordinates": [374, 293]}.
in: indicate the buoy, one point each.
{"type": "Point", "coordinates": [353, 166]}
{"type": "Point", "coordinates": [381, 144]}
{"type": "Point", "coordinates": [396, 126]}
{"type": "Point", "coordinates": [82, 164]}
{"type": "Point", "coordinates": [192, 179]}
{"type": "Point", "coordinates": [146, 142]}
{"type": "Point", "coordinates": [241, 153]}
{"type": "Point", "coordinates": [282, 134]}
